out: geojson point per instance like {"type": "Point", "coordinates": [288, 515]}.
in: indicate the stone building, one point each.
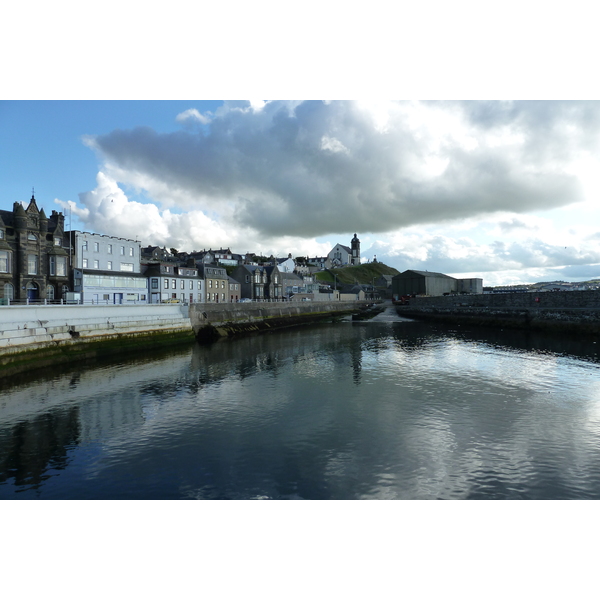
{"type": "Point", "coordinates": [34, 255]}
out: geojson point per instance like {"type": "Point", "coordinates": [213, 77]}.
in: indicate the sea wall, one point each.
{"type": "Point", "coordinates": [577, 311]}
{"type": "Point", "coordinates": [220, 320]}
{"type": "Point", "coordinates": [31, 327]}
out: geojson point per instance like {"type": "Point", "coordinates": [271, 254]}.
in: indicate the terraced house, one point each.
{"type": "Point", "coordinates": [172, 282]}
{"type": "Point", "coordinates": [216, 282]}
{"type": "Point", "coordinates": [253, 280]}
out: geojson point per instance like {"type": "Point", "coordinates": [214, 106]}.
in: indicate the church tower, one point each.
{"type": "Point", "coordinates": [355, 246]}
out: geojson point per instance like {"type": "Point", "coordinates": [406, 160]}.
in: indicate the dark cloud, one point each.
{"type": "Point", "coordinates": [315, 168]}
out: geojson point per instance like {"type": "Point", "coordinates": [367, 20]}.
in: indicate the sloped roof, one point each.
{"type": "Point", "coordinates": [421, 274]}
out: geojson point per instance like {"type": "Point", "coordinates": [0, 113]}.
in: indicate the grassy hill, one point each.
{"type": "Point", "coordinates": [359, 274]}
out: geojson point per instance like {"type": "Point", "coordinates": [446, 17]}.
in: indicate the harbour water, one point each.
{"type": "Point", "coordinates": [381, 409]}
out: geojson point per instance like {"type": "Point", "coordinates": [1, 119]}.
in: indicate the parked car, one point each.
{"type": "Point", "coordinates": [245, 300]}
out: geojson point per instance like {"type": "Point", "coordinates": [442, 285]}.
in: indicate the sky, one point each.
{"type": "Point", "coordinates": [504, 186]}
{"type": "Point", "coordinates": [508, 191]}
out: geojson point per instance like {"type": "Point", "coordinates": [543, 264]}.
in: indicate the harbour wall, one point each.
{"type": "Point", "coordinates": [33, 327]}
{"type": "Point", "coordinates": [37, 336]}
{"type": "Point", "coordinates": [211, 321]}
{"type": "Point", "coordinates": [577, 311]}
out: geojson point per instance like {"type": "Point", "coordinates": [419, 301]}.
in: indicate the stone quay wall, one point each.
{"type": "Point", "coordinates": [577, 311]}
{"type": "Point", "coordinates": [39, 326]}
{"type": "Point", "coordinates": [579, 300]}
{"type": "Point", "coordinates": [221, 320]}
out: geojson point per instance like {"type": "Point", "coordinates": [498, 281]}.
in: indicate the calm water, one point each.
{"type": "Point", "coordinates": [385, 409]}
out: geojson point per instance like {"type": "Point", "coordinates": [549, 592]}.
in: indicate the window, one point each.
{"type": "Point", "coordinates": [32, 264]}
{"type": "Point", "coordinates": [50, 292]}
{"type": "Point", "coordinates": [31, 237]}
{"type": "Point", "coordinates": [58, 265]}
{"type": "Point", "coordinates": [191, 285]}
{"type": "Point", "coordinates": [182, 284]}
{"type": "Point", "coordinates": [1, 234]}
{"type": "Point", "coordinates": [109, 248]}
{"type": "Point", "coordinates": [57, 241]}
{"type": "Point", "coordinates": [64, 290]}
{"type": "Point", "coordinates": [109, 265]}
{"type": "Point", "coordinates": [166, 284]}
{"type": "Point", "coordinates": [122, 250]}
{"type": "Point", "coordinates": [96, 264]}
{"type": "Point", "coordinates": [174, 284]}
{"type": "Point", "coordinates": [9, 291]}
{"type": "Point", "coordinates": [4, 261]}
{"type": "Point", "coordinates": [130, 251]}
{"type": "Point", "coordinates": [154, 284]}
{"type": "Point", "coordinates": [96, 247]}
{"type": "Point", "coordinates": [84, 263]}
{"type": "Point", "coordinates": [210, 283]}
{"type": "Point", "coordinates": [84, 246]}
{"type": "Point", "coordinates": [127, 267]}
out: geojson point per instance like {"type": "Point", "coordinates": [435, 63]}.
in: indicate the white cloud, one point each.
{"type": "Point", "coordinates": [333, 145]}
{"type": "Point", "coordinates": [107, 209]}
{"type": "Point", "coordinates": [444, 186]}
{"type": "Point", "coordinates": [192, 115]}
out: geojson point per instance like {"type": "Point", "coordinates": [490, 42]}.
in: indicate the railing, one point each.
{"type": "Point", "coordinates": [93, 302]}
{"type": "Point", "coordinates": [62, 302]}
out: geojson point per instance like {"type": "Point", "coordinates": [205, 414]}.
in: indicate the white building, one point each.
{"type": "Point", "coordinates": [286, 265]}
{"type": "Point", "coordinates": [341, 256]}
{"type": "Point", "coordinates": [106, 269]}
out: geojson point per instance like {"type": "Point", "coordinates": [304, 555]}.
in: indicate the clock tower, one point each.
{"type": "Point", "coordinates": [355, 247]}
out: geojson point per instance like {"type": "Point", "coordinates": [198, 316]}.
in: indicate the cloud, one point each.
{"type": "Point", "coordinates": [313, 168]}
{"type": "Point", "coordinates": [434, 252]}
{"type": "Point", "coordinates": [492, 189]}
{"type": "Point", "coordinates": [107, 209]}
{"type": "Point", "coordinates": [193, 116]}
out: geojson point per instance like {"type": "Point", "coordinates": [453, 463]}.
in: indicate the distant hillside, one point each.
{"type": "Point", "coordinates": [359, 274]}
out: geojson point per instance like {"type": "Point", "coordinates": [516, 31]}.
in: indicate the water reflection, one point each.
{"type": "Point", "coordinates": [352, 410]}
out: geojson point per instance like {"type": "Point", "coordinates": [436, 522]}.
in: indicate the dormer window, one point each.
{"type": "Point", "coordinates": [31, 237]}
{"type": "Point", "coordinates": [57, 241]}
{"type": "Point", "coordinates": [1, 234]}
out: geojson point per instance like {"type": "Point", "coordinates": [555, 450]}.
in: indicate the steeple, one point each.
{"type": "Point", "coordinates": [32, 203]}
{"type": "Point", "coordinates": [355, 246]}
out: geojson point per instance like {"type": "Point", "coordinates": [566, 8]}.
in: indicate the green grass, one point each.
{"type": "Point", "coordinates": [359, 274]}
